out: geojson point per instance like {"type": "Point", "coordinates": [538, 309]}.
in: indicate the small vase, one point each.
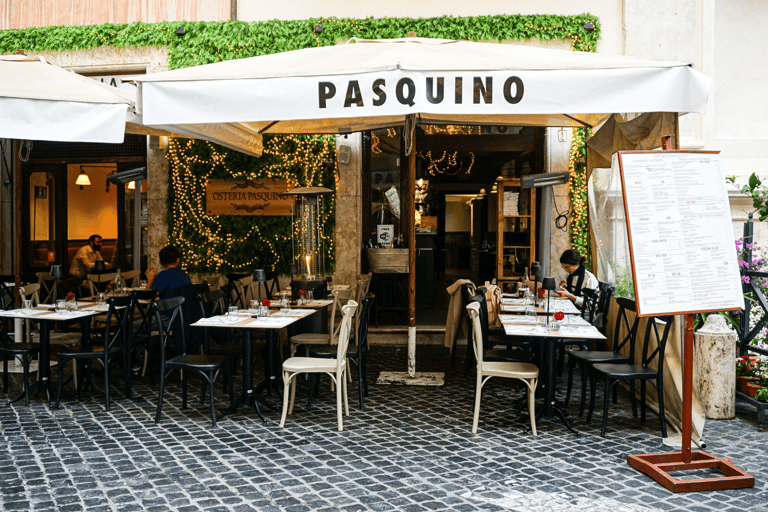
{"type": "Point", "coordinates": [752, 389]}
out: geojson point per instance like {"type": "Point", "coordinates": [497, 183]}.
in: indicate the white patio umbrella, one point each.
{"type": "Point", "coordinates": [41, 101]}
{"type": "Point", "coordinates": [374, 84]}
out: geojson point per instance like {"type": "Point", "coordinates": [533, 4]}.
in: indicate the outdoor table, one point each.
{"type": "Point", "coordinates": [44, 315]}
{"type": "Point", "coordinates": [271, 324]}
{"type": "Point", "coordinates": [578, 328]}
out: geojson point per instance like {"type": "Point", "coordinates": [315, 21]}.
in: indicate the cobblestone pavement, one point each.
{"type": "Point", "coordinates": [410, 450]}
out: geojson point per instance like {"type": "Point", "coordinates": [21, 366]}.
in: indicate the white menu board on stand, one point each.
{"type": "Point", "coordinates": [680, 232]}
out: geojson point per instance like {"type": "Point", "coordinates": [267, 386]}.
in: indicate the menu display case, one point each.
{"type": "Point", "coordinates": [516, 231]}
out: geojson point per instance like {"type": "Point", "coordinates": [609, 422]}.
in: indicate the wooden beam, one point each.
{"type": "Point", "coordinates": [526, 141]}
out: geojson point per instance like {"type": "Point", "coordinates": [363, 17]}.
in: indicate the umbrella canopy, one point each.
{"type": "Point", "coordinates": [375, 83]}
{"type": "Point", "coordinates": [41, 101]}
{"type": "Point", "coordinates": [44, 102]}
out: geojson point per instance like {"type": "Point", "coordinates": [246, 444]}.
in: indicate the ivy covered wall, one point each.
{"type": "Point", "coordinates": [224, 244]}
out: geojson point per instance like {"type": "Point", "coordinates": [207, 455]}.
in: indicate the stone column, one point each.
{"type": "Point", "coordinates": [157, 193]}
{"type": "Point", "coordinates": [347, 233]}
{"type": "Point", "coordinates": [716, 368]}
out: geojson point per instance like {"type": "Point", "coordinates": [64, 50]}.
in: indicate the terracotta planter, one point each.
{"type": "Point", "coordinates": [753, 388]}
{"type": "Point", "coordinates": [741, 383]}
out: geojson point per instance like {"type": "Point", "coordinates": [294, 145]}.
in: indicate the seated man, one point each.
{"type": "Point", "coordinates": [86, 257]}
{"type": "Point", "coordinates": [168, 281]}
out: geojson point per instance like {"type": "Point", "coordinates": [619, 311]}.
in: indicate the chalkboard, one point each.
{"type": "Point", "coordinates": [680, 232]}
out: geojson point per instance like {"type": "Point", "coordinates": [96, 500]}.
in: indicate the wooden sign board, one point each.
{"type": "Point", "coordinates": [247, 197]}
{"type": "Point", "coordinates": [680, 232]}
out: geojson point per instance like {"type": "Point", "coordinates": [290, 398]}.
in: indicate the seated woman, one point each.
{"type": "Point", "coordinates": [578, 277]}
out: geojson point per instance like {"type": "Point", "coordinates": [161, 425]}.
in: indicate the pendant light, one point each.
{"type": "Point", "coordinates": [82, 179]}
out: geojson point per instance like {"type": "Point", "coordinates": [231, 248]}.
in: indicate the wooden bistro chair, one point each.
{"type": "Point", "coordinates": [335, 368]}
{"type": "Point", "coordinates": [10, 350]}
{"type": "Point", "coordinates": [526, 372]}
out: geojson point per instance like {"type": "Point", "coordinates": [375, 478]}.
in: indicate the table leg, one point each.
{"type": "Point", "coordinates": [44, 366]}
{"type": "Point", "coordinates": [247, 397]}
{"type": "Point", "coordinates": [551, 408]}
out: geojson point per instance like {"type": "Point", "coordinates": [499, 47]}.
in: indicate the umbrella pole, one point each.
{"type": "Point", "coordinates": [411, 256]}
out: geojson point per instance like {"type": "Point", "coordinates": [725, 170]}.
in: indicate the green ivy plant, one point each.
{"type": "Point", "coordinates": [757, 191]}
{"type": "Point", "coordinates": [208, 42]}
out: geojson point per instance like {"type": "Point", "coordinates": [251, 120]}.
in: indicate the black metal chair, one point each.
{"type": "Point", "coordinates": [613, 373]}
{"type": "Point", "coordinates": [586, 358]}
{"type": "Point", "coordinates": [10, 350]}
{"type": "Point", "coordinates": [356, 353]}
{"type": "Point", "coordinates": [141, 332]}
{"type": "Point", "coordinates": [208, 366]}
{"type": "Point", "coordinates": [272, 284]}
{"type": "Point", "coordinates": [111, 350]}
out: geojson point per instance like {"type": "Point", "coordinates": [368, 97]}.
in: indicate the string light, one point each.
{"type": "Point", "coordinates": [202, 239]}
{"type": "Point", "coordinates": [450, 161]}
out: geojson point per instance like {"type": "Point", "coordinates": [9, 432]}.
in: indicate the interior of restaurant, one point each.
{"type": "Point", "coordinates": [67, 197]}
{"type": "Point", "coordinates": [456, 210]}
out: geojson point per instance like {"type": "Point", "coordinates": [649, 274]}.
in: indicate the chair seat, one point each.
{"type": "Point", "coordinates": [310, 337]}
{"type": "Point", "coordinates": [198, 361]}
{"type": "Point", "coordinates": [19, 348]}
{"type": "Point", "coordinates": [92, 349]}
{"type": "Point", "coordinates": [597, 356]}
{"type": "Point", "coordinates": [513, 355]}
{"type": "Point", "coordinates": [310, 365]}
{"type": "Point", "coordinates": [512, 370]}
{"type": "Point", "coordinates": [625, 371]}
{"type": "Point", "coordinates": [330, 350]}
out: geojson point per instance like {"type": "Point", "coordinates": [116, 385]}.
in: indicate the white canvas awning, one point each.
{"type": "Point", "coordinates": [41, 101]}
{"type": "Point", "coordinates": [376, 83]}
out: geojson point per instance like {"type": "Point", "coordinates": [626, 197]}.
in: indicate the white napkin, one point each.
{"type": "Point", "coordinates": [296, 313]}
{"type": "Point", "coordinates": [530, 330]}
{"type": "Point", "coordinates": [579, 330]}
{"type": "Point", "coordinates": [97, 307]}
{"type": "Point", "coordinates": [320, 303]}
{"type": "Point", "coordinates": [513, 309]}
{"type": "Point", "coordinates": [22, 313]}
{"type": "Point", "coordinates": [518, 302]}
{"type": "Point", "coordinates": [66, 315]}
{"type": "Point", "coordinates": [271, 322]}
{"type": "Point", "coordinates": [217, 320]}
{"type": "Point", "coordinates": [519, 319]}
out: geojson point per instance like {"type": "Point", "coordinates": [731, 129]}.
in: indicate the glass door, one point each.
{"type": "Point", "coordinates": [43, 222]}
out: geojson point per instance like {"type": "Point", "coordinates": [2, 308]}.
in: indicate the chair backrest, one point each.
{"type": "Point", "coordinates": [46, 282]}
{"type": "Point", "coordinates": [622, 319]}
{"type": "Point", "coordinates": [143, 308]}
{"type": "Point", "coordinates": [473, 312]}
{"type": "Point", "coordinates": [342, 340]}
{"type": "Point", "coordinates": [364, 313]}
{"type": "Point", "coordinates": [173, 330]}
{"type": "Point", "coordinates": [30, 292]}
{"type": "Point", "coordinates": [483, 314]}
{"type": "Point", "coordinates": [192, 313]}
{"type": "Point", "coordinates": [589, 304]}
{"type": "Point", "coordinates": [98, 282]}
{"type": "Point", "coordinates": [214, 282]}
{"type": "Point", "coordinates": [363, 284]}
{"type": "Point", "coordinates": [212, 303]}
{"type": "Point", "coordinates": [119, 308]}
{"type": "Point", "coordinates": [70, 284]}
{"type": "Point", "coordinates": [272, 284]}
{"type": "Point", "coordinates": [130, 278]}
{"type": "Point", "coordinates": [658, 353]}
{"type": "Point", "coordinates": [229, 291]}
{"type": "Point", "coordinates": [245, 284]}
{"type": "Point", "coordinates": [4, 298]}
{"type": "Point", "coordinates": [601, 309]}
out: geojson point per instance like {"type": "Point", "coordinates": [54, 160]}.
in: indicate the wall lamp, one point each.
{"type": "Point", "coordinates": [546, 179]}
{"type": "Point", "coordinates": [82, 179]}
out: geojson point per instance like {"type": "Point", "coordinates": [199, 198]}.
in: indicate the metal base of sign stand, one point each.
{"type": "Point", "coordinates": [659, 466]}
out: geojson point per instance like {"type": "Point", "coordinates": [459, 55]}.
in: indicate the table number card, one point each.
{"type": "Point", "coordinates": [680, 232]}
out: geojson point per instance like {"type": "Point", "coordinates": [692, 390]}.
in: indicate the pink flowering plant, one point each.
{"type": "Point", "coordinates": [757, 264]}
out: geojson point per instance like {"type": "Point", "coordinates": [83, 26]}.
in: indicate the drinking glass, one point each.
{"type": "Point", "coordinates": [232, 315]}
{"type": "Point", "coordinates": [263, 312]}
{"type": "Point", "coordinates": [26, 305]}
{"type": "Point", "coordinates": [564, 321]}
{"type": "Point", "coordinates": [253, 307]}
{"type": "Point", "coordinates": [71, 306]}
{"type": "Point", "coordinates": [530, 313]}
{"type": "Point", "coordinates": [61, 305]}
{"type": "Point", "coordinates": [143, 284]}
{"type": "Point", "coordinates": [102, 298]}
{"type": "Point", "coordinates": [118, 288]}
{"type": "Point", "coordinates": [309, 297]}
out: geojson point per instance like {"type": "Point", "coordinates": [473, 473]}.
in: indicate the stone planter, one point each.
{"type": "Point", "coordinates": [715, 369]}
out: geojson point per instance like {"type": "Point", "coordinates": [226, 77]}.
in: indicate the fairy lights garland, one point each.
{"type": "Point", "coordinates": [213, 243]}
{"type": "Point", "coordinates": [577, 193]}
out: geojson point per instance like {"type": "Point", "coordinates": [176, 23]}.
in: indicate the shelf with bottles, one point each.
{"type": "Point", "coordinates": [516, 231]}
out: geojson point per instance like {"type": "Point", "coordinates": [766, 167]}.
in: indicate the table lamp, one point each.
{"type": "Point", "coordinates": [98, 267]}
{"type": "Point", "coordinates": [56, 274]}
{"type": "Point", "coordinates": [548, 283]}
{"type": "Point", "coordinates": [536, 273]}
{"type": "Point", "coordinates": [259, 276]}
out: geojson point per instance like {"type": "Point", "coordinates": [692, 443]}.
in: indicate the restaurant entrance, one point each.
{"type": "Point", "coordinates": [456, 205]}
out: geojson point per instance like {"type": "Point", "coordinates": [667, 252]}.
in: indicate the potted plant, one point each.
{"type": "Point", "coordinates": [746, 369]}
{"type": "Point", "coordinates": [762, 395]}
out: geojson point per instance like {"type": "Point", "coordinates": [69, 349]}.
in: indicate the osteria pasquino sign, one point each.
{"type": "Point", "coordinates": [247, 197]}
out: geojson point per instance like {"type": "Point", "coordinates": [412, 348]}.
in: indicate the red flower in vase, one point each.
{"type": "Point", "coordinates": [542, 292]}
{"type": "Point", "coordinates": [70, 296]}
{"type": "Point", "coordinates": [266, 302]}
{"type": "Point", "coordinates": [559, 315]}
{"type": "Point", "coordinates": [303, 292]}
{"type": "Point", "coordinates": [109, 287]}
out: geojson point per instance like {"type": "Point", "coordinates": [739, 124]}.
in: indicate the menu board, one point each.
{"type": "Point", "coordinates": [680, 232]}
